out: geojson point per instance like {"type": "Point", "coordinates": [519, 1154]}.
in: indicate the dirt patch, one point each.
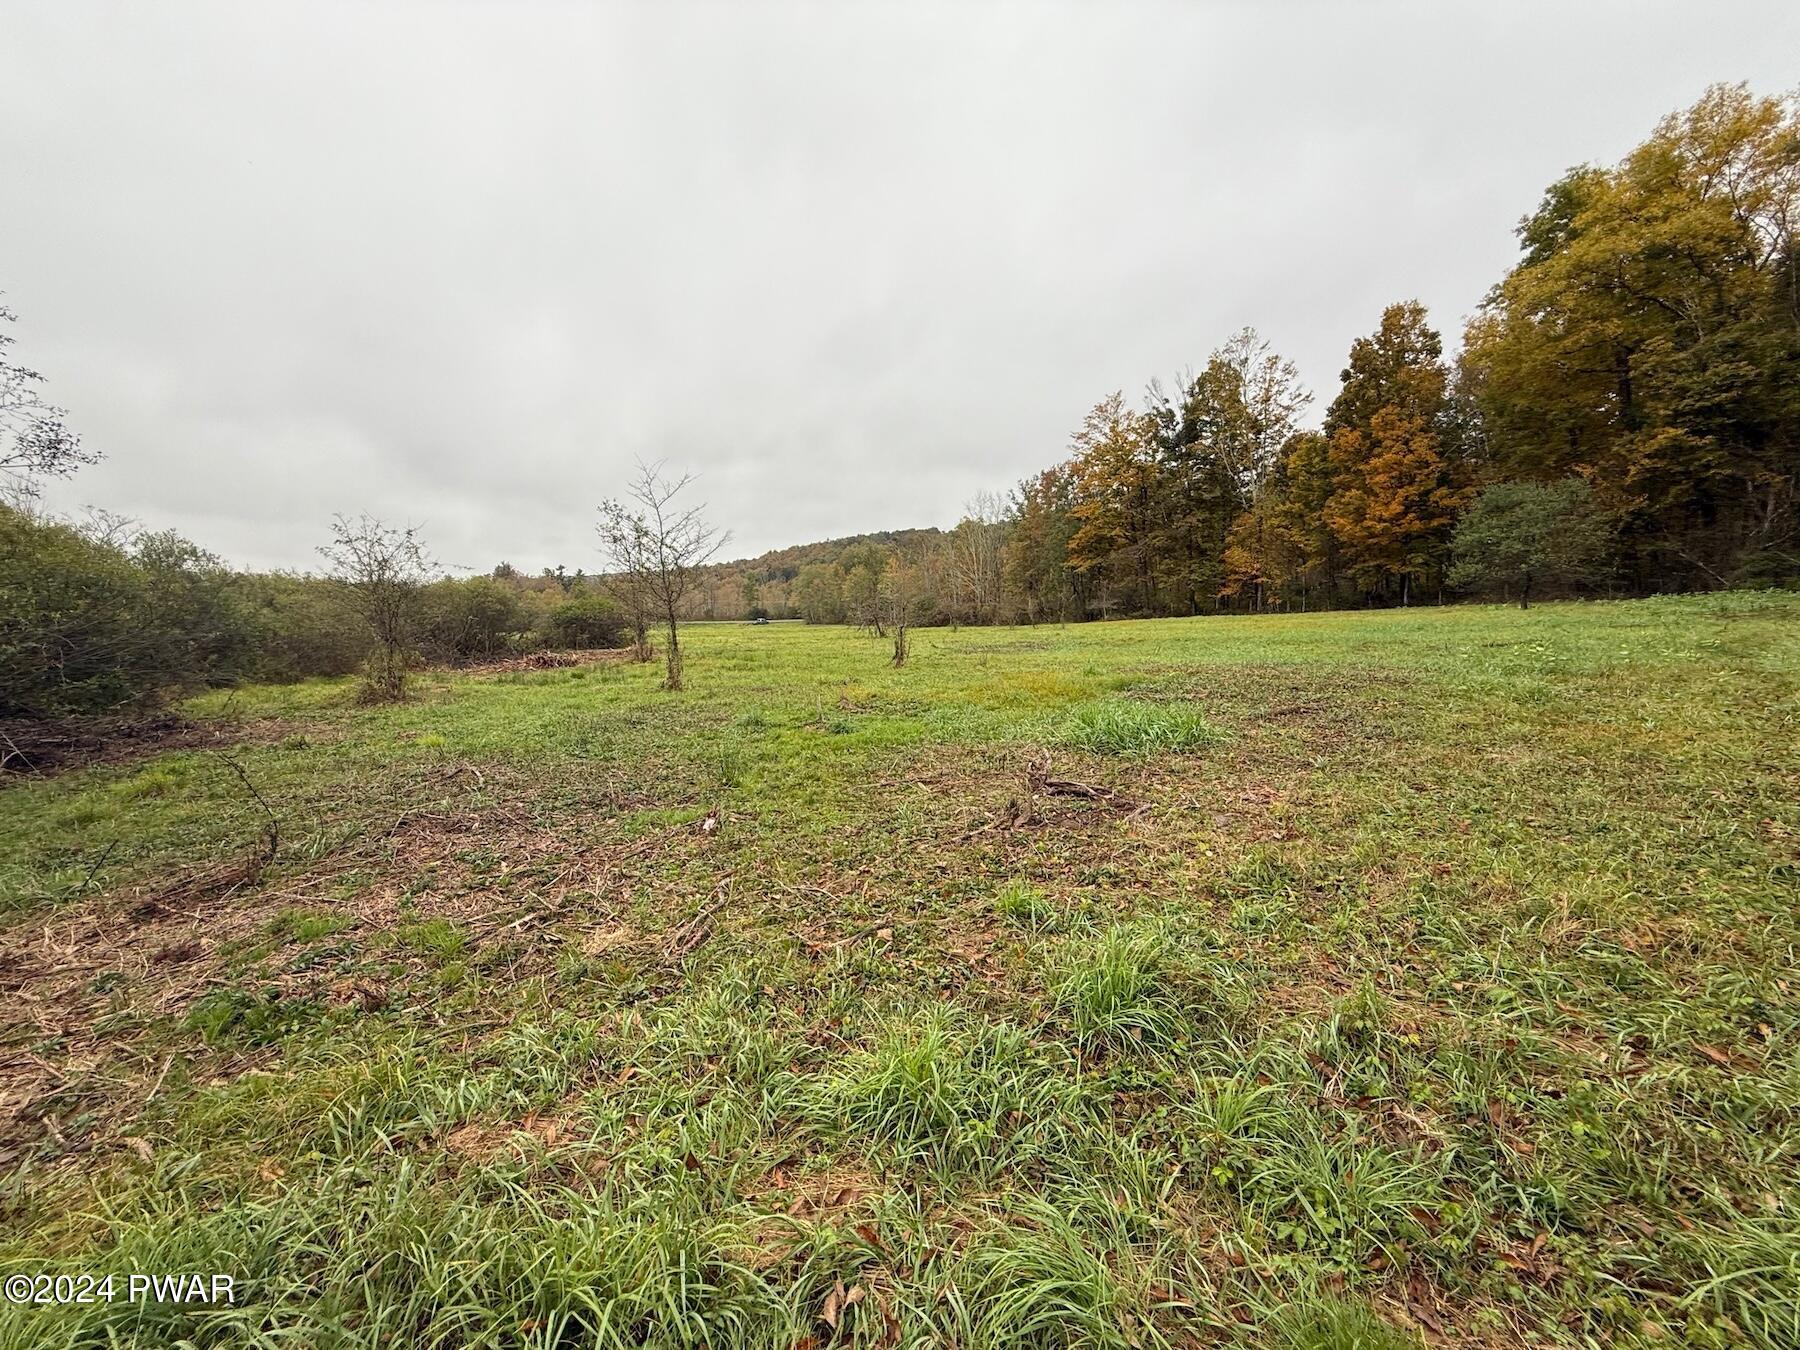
{"type": "Point", "coordinates": [89, 991]}
{"type": "Point", "coordinates": [1254, 693]}
{"type": "Point", "coordinates": [549, 661]}
{"type": "Point", "coordinates": [483, 1141]}
{"type": "Point", "coordinates": [41, 748]}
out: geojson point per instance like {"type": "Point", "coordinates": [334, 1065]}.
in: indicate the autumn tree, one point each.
{"type": "Point", "coordinates": [1115, 487]}
{"type": "Point", "coordinates": [861, 567]}
{"type": "Point", "coordinates": [1304, 486]}
{"type": "Point", "coordinates": [1649, 341]}
{"type": "Point", "coordinates": [1036, 569]}
{"type": "Point", "coordinates": [819, 593]}
{"type": "Point", "coordinates": [385, 570]}
{"type": "Point", "coordinates": [1262, 557]}
{"type": "Point", "coordinates": [659, 547]}
{"type": "Point", "coordinates": [1395, 492]}
{"type": "Point", "coordinates": [905, 598]}
{"type": "Point", "coordinates": [1521, 537]}
{"type": "Point", "coordinates": [1217, 444]}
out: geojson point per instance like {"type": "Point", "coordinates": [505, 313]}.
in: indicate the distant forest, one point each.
{"type": "Point", "coordinates": [1622, 417]}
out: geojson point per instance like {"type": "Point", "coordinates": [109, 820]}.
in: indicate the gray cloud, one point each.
{"type": "Point", "coordinates": [460, 264]}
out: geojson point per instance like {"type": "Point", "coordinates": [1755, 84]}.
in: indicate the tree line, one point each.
{"type": "Point", "coordinates": [97, 615]}
{"type": "Point", "coordinates": [1624, 413]}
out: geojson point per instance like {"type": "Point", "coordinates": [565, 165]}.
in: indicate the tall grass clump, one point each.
{"type": "Point", "coordinates": [956, 1093]}
{"type": "Point", "coordinates": [1338, 1324]}
{"type": "Point", "coordinates": [1115, 991]}
{"type": "Point", "coordinates": [1038, 1279]}
{"type": "Point", "coordinates": [1024, 904]}
{"type": "Point", "coordinates": [1137, 729]}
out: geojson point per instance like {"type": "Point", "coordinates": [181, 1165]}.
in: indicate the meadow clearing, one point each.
{"type": "Point", "coordinates": [1356, 979]}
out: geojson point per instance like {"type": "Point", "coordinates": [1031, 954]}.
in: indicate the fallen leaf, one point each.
{"type": "Point", "coordinates": [866, 1231]}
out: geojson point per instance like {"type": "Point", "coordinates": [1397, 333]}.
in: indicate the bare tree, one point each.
{"type": "Point", "coordinates": [385, 569]}
{"type": "Point", "coordinates": [905, 593]}
{"type": "Point", "coordinates": [977, 549]}
{"type": "Point", "coordinates": [34, 441]}
{"type": "Point", "coordinates": [656, 549]}
{"type": "Point", "coordinates": [628, 583]}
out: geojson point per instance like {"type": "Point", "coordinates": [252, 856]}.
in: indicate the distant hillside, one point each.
{"type": "Point", "coordinates": [722, 593]}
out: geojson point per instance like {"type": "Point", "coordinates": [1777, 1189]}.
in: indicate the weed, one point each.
{"type": "Point", "coordinates": [437, 939]}
{"type": "Point", "coordinates": [296, 925]}
{"type": "Point", "coordinates": [1114, 990]}
{"type": "Point", "coordinates": [249, 1018]}
{"type": "Point", "coordinates": [1337, 1324]}
{"type": "Point", "coordinates": [1133, 728]}
{"type": "Point", "coordinates": [1024, 904]}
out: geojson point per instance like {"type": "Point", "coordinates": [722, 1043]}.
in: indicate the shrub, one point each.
{"type": "Point", "coordinates": [469, 620]}
{"type": "Point", "coordinates": [69, 633]}
{"type": "Point", "coordinates": [1525, 537]}
{"type": "Point", "coordinates": [305, 626]}
{"type": "Point", "coordinates": [584, 622]}
{"type": "Point", "coordinates": [87, 626]}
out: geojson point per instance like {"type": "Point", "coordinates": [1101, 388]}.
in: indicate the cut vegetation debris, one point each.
{"type": "Point", "coordinates": [1354, 980]}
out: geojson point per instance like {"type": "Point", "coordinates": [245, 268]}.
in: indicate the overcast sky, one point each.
{"type": "Point", "coordinates": [460, 264]}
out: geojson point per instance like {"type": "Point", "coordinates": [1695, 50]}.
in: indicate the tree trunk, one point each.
{"type": "Point", "coordinates": [673, 678]}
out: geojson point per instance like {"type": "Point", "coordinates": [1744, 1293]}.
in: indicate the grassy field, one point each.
{"type": "Point", "coordinates": [1323, 981]}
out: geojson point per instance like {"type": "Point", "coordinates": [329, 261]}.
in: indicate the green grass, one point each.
{"type": "Point", "coordinates": [1407, 976]}
{"type": "Point", "coordinates": [1112, 988]}
{"type": "Point", "coordinates": [1122, 727]}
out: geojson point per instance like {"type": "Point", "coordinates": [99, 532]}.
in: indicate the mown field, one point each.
{"type": "Point", "coordinates": [1321, 981]}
